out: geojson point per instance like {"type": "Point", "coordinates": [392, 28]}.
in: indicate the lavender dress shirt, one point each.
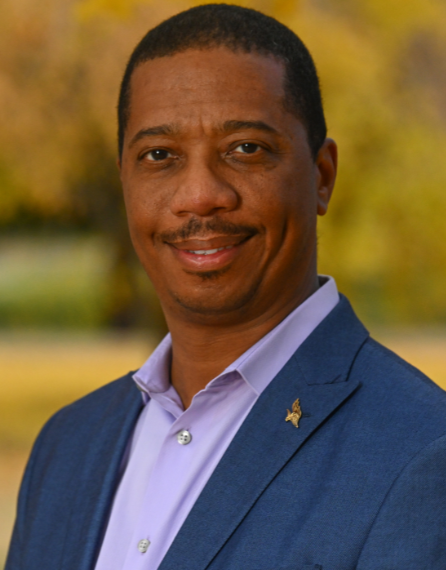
{"type": "Point", "coordinates": [163, 478]}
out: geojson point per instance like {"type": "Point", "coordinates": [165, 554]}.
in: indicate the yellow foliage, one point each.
{"type": "Point", "coordinates": [402, 16]}
{"type": "Point", "coordinates": [122, 9]}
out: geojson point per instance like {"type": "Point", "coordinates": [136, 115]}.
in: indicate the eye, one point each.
{"type": "Point", "coordinates": [247, 148]}
{"type": "Point", "coordinates": [157, 154]}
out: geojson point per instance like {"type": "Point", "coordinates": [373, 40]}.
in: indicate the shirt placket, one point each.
{"type": "Point", "coordinates": [176, 452]}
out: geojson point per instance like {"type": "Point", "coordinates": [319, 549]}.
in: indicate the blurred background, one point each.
{"type": "Point", "coordinates": [76, 309]}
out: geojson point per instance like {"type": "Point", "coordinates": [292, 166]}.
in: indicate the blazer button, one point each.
{"type": "Point", "coordinates": [184, 437]}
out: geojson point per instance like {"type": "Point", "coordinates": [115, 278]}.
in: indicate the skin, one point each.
{"type": "Point", "coordinates": [212, 159]}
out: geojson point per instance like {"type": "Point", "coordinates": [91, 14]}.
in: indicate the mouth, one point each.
{"type": "Point", "coordinates": [211, 253]}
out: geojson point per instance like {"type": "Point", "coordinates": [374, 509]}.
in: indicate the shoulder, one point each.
{"type": "Point", "coordinates": [82, 428]}
{"type": "Point", "coordinates": [102, 398]}
{"type": "Point", "coordinates": [396, 374]}
{"type": "Point", "coordinates": [397, 398]}
{"type": "Point", "coordinates": [74, 424]}
{"type": "Point", "coordinates": [382, 356]}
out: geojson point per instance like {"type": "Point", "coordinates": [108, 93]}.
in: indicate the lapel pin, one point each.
{"type": "Point", "coordinates": [295, 415]}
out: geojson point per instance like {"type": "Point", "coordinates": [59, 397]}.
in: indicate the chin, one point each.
{"type": "Point", "coordinates": [212, 303]}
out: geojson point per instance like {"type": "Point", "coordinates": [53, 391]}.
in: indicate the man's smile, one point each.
{"type": "Point", "coordinates": [210, 253]}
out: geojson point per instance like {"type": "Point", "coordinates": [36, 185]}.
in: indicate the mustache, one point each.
{"type": "Point", "coordinates": [195, 228]}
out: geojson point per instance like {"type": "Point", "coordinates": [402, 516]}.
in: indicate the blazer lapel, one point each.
{"type": "Point", "coordinates": [318, 375]}
{"type": "Point", "coordinates": [98, 475]}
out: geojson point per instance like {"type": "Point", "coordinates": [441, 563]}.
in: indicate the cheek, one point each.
{"type": "Point", "coordinates": [290, 213]}
{"type": "Point", "coordinates": [144, 209]}
{"type": "Point", "coordinates": [284, 201]}
{"type": "Point", "coordinates": [141, 222]}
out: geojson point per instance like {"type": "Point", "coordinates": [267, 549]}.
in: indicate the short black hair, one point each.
{"type": "Point", "coordinates": [238, 29]}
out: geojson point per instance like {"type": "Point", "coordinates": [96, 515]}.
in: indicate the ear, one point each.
{"type": "Point", "coordinates": [326, 165]}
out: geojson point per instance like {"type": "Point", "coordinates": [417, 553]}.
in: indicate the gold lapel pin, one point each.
{"type": "Point", "coordinates": [294, 416]}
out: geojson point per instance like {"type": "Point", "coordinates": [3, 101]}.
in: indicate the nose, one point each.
{"type": "Point", "coordinates": [202, 190]}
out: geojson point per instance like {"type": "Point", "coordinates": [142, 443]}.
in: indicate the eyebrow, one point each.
{"type": "Point", "coordinates": [227, 127]}
{"type": "Point", "coordinates": [230, 126]}
{"type": "Point", "coordinates": [153, 132]}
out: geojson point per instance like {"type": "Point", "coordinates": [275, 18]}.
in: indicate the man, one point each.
{"type": "Point", "coordinates": [269, 431]}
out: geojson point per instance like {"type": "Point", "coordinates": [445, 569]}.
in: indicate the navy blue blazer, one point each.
{"type": "Point", "coordinates": [359, 485]}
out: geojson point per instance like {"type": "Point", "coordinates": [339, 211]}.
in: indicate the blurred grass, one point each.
{"type": "Point", "coordinates": [54, 281]}
{"type": "Point", "coordinates": [46, 371]}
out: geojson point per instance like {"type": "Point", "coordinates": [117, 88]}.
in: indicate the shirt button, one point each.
{"type": "Point", "coordinates": [143, 545]}
{"type": "Point", "coordinates": [184, 437]}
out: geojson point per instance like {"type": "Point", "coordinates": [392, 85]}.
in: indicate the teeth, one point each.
{"type": "Point", "coordinates": [208, 251]}
{"type": "Point", "coordinates": [205, 251]}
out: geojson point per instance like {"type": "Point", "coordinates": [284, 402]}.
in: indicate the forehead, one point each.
{"type": "Point", "coordinates": [207, 86]}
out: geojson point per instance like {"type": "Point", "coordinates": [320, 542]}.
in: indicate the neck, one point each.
{"type": "Point", "coordinates": [200, 352]}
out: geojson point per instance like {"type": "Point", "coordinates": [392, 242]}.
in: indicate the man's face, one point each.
{"type": "Point", "coordinates": [220, 186]}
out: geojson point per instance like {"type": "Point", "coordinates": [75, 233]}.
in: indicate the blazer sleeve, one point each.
{"type": "Point", "coordinates": [409, 532]}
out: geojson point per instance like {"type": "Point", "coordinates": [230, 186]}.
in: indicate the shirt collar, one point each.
{"type": "Point", "coordinates": [262, 361]}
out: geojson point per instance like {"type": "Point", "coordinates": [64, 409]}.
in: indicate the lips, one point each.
{"type": "Point", "coordinates": [211, 253]}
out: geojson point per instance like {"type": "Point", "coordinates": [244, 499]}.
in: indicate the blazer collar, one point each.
{"type": "Point", "coordinates": [327, 354]}
{"type": "Point", "coordinates": [317, 374]}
